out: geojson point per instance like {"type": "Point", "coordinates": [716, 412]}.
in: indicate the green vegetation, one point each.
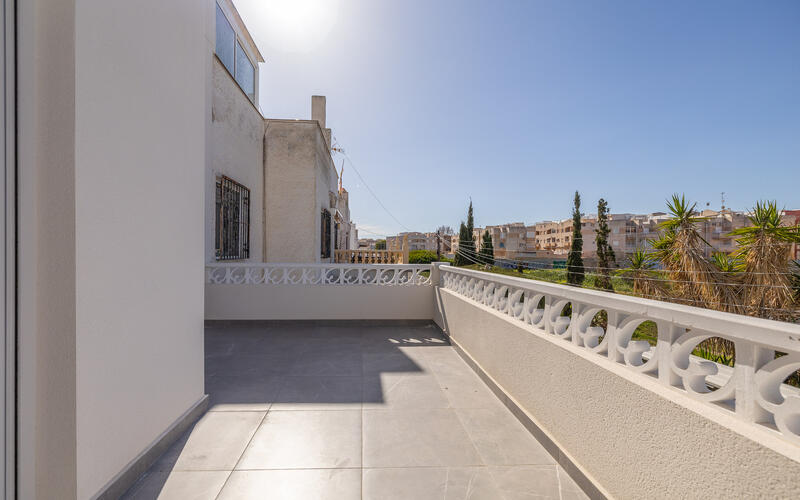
{"type": "Point", "coordinates": [487, 249]}
{"type": "Point", "coordinates": [758, 279]}
{"type": "Point", "coordinates": [763, 258]}
{"type": "Point", "coordinates": [424, 257]}
{"type": "Point", "coordinates": [466, 243]}
{"type": "Point", "coordinates": [605, 254]}
{"type": "Point", "coordinates": [380, 245]}
{"type": "Point", "coordinates": [575, 271]}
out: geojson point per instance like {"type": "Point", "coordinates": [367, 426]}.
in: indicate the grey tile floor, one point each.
{"type": "Point", "coordinates": [349, 412]}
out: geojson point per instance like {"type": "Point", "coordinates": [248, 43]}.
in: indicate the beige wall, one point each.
{"type": "Point", "coordinates": [111, 154]}
{"type": "Point", "coordinates": [298, 177]}
{"type": "Point", "coordinates": [236, 135]}
{"type": "Point", "coordinates": [633, 440]}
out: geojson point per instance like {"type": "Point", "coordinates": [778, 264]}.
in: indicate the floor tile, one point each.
{"type": "Point", "coordinates": [242, 393]}
{"type": "Point", "coordinates": [178, 485]}
{"type": "Point", "coordinates": [328, 363]}
{"type": "Point", "coordinates": [401, 390]}
{"type": "Point", "coordinates": [408, 438]}
{"type": "Point", "coordinates": [319, 393]}
{"type": "Point", "coordinates": [468, 391]}
{"type": "Point", "coordinates": [501, 439]}
{"type": "Point", "coordinates": [447, 362]}
{"type": "Point", "coordinates": [527, 482]}
{"type": "Point", "coordinates": [250, 365]}
{"type": "Point", "coordinates": [300, 484]}
{"type": "Point", "coordinates": [393, 362]}
{"type": "Point", "coordinates": [305, 439]}
{"type": "Point", "coordinates": [215, 443]}
{"type": "Point", "coordinates": [430, 483]}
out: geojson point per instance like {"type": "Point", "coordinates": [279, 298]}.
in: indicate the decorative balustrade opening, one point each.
{"type": "Point", "coordinates": [318, 274]}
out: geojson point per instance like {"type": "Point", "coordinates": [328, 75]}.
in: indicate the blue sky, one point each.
{"type": "Point", "coordinates": [518, 104]}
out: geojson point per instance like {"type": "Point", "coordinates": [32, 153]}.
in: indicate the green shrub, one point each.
{"type": "Point", "coordinates": [421, 257]}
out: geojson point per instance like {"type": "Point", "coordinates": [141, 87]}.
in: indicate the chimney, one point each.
{"type": "Point", "coordinates": [318, 109]}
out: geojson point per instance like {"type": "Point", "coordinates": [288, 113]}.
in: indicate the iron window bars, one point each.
{"type": "Point", "coordinates": [325, 236]}
{"type": "Point", "coordinates": [232, 220]}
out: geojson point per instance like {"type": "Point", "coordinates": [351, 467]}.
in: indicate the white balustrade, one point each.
{"type": "Point", "coordinates": [753, 390]}
{"type": "Point", "coordinates": [318, 274]}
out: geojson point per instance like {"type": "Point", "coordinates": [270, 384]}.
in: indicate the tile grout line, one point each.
{"type": "Point", "coordinates": [260, 423]}
{"type": "Point", "coordinates": [558, 478]}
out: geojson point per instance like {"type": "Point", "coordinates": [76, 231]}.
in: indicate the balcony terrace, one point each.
{"type": "Point", "coordinates": [398, 381]}
{"type": "Point", "coordinates": [333, 410]}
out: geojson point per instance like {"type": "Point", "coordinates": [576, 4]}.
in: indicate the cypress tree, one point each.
{"type": "Point", "coordinates": [466, 242]}
{"type": "Point", "coordinates": [487, 249]}
{"type": "Point", "coordinates": [605, 254]}
{"type": "Point", "coordinates": [575, 271]}
{"type": "Point", "coordinates": [460, 258]}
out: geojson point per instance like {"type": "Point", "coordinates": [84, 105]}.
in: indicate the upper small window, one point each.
{"type": "Point", "coordinates": [226, 40]}
{"type": "Point", "coordinates": [245, 74]}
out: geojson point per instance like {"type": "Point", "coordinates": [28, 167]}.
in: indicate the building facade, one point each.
{"type": "Point", "coordinates": [272, 190]}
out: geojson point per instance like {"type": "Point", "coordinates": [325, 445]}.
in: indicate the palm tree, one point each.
{"type": "Point", "coordinates": [763, 253]}
{"type": "Point", "coordinates": [641, 271]}
{"type": "Point", "coordinates": [724, 262]}
{"type": "Point", "coordinates": [681, 250]}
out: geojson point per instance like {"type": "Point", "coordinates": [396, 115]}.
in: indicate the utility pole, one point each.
{"type": "Point", "coordinates": [438, 244]}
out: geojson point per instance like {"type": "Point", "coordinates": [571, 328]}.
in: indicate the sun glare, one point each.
{"type": "Point", "coordinates": [296, 25]}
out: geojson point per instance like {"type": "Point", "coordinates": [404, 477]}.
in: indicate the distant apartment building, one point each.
{"type": "Point", "coordinates": [431, 241]}
{"type": "Point", "coordinates": [366, 244]}
{"type": "Point", "coordinates": [272, 190]}
{"type": "Point", "coordinates": [627, 232]}
{"type": "Point", "coordinates": [792, 218]}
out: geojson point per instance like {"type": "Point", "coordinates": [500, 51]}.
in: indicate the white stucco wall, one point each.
{"type": "Point", "coordinates": [236, 150]}
{"type": "Point", "coordinates": [318, 302]}
{"type": "Point", "coordinates": [635, 440]}
{"type": "Point", "coordinates": [140, 113]}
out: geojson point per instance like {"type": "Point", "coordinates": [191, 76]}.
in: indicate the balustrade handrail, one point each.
{"type": "Point", "coordinates": [753, 390]}
{"type": "Point", "coordinates": [780, 334]}
{"type": "Point", "coordinates": [282, 265]}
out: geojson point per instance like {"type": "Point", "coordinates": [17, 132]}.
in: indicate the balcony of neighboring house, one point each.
{"type": "Point", "coordinates": [427, 381]}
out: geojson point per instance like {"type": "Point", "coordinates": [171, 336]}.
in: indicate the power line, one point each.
{"type": "Point", "coordinates": [526, 265]}
{"type": "Point", "coordinates": [660, 298]}
{"type": "Point", "coordinates": [525, 262]}
{"type": "Point", "coordinates": [347, 157]}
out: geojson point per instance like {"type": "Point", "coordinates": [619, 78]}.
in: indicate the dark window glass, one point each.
{"type": "Point", "coordinates": [325, 235]}
{"type": "Point", "coordinates": [226, 40]}
{"type": "Point", "coordinates": [245, 74]}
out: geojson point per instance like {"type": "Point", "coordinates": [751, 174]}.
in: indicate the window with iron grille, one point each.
{"type": "Point", "coordinates": [232, 220]}
{"type": "Point", "coordinates": [325, 236]}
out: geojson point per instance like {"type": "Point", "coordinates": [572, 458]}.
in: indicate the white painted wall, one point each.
{"type": "Point", "coordinates": [236, 150]}
{"type": "Point", "coordinates": [318, 302]}
{"type": "Point", "coordinates": [46, 243]}
{"type": "Point", "coordinates": [140, 113]}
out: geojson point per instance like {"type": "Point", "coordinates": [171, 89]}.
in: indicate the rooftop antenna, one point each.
{"type": "Point", "coordinates": [341, 173]}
